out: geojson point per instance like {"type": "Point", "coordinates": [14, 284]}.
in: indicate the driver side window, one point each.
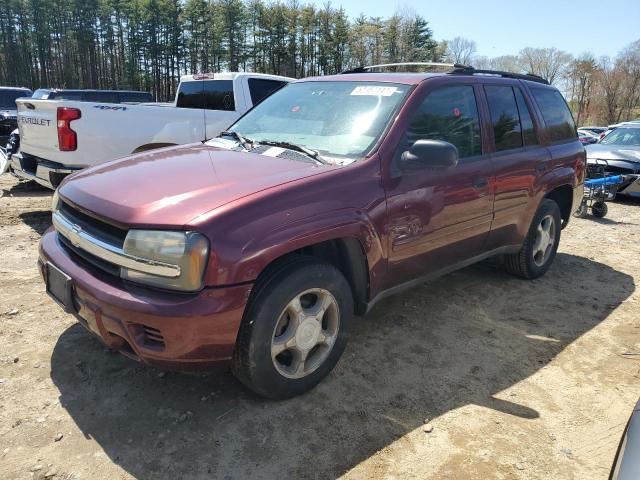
{"type": "Point", "coordinates": [450, 114]}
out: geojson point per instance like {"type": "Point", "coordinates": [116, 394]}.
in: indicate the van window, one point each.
{"type": "Point", "coordinates": [526, 122]}
{"type": "Point", "coordinates": [557, 116]}
{"type": "Point", "coordinates": [260, 88]}
{"type": "Point", "coordinates": [449, 114]}
{"type": "Point", "coordinates": [504, 117]}
{"type": "Point", "coordinates": [218, 95]}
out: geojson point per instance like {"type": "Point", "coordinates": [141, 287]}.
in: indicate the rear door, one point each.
{"type": "Point", "coordinates": [439, 217]}
{"type": "Point", "coordinates": [519, 159]}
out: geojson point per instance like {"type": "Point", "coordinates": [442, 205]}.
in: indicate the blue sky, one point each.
{"type": "Point", "coordinates": [505, 27]}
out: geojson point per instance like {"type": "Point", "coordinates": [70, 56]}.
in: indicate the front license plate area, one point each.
{"type": "Point", "coordinates": [60, 288]}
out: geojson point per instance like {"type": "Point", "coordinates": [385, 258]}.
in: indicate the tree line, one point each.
{"type": "Point", "coordinates": [147, 44]}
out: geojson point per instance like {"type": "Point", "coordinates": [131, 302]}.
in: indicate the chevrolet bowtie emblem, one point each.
{"type": "Point", "coordinates": [74, 235]}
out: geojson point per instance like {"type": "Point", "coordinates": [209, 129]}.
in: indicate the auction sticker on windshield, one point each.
{"type": "Point", "coordinates": [374, 90]}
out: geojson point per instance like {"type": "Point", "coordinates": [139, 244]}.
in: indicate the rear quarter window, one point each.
{"type": "Point", "coordinates": [556, 114]}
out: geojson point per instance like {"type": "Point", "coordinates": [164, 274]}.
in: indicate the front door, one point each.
{"type": "Point", "coordinates": [439, 216]}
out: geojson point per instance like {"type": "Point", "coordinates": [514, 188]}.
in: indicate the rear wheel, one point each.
{"type": "Point", "coordinates": [295, 328]}
{"type": "Point", "coordinates": [540, 246]}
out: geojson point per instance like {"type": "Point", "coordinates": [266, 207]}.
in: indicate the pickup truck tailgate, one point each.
{"type": "Point", "coordinates": [37, 124]}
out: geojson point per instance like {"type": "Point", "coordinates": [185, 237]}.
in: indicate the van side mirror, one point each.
{"type": "Point", "coordinates": [429, 154]}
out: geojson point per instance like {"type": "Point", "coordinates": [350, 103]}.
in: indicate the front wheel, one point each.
{"type": "Point", "coordinates": [539, 248]}
{"type": "Point", "coordinates": [295, 328]}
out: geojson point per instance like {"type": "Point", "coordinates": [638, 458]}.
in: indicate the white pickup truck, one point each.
{"type": "Point", "coordinates": [59, 137]}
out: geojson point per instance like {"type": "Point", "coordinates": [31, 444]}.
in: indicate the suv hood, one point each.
{"type": "Point", "coordinates": [172, 186]}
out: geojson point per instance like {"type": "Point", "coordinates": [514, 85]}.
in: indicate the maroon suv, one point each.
{"type": "Point", "coordinates": [260, 246]}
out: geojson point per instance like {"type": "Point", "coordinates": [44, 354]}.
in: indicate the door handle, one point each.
{"type": "Point", "coordinates": [480, 182]}
{"type": "Point", "coordinates": [541, 167]}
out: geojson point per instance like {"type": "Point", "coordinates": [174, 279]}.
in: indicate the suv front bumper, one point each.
{"type": "Point", "coordinates": [46, 173]}
{"type": "Point", "coordinates": [164, 329]}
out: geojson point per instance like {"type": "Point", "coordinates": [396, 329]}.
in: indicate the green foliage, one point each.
{"type": "Point", "coordinates": [148, 44]}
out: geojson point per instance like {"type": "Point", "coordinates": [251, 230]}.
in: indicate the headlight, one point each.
{"type": "Point", "coordinates": [55, 201]}
{"type": "Point", "coordinates": [189, 251]}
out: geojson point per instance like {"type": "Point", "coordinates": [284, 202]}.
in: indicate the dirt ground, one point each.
{"type": "Point", "coordinates": [516, 379]}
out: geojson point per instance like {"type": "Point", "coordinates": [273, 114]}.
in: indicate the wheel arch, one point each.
{"type": "Point", "coordinates": [563, 196]}
{"type": "Point", "coordinates": [347, 254]}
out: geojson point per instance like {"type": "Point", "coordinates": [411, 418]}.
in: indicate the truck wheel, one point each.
{"type": "Point", "coordinates": [294, 329]}
{"type": "Point", "coordinates": [540, 245]}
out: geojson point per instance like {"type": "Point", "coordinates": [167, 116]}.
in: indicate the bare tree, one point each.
{"type": "Point", "coordinates": [582, 75]}
{"type": "Point", "coordinates": [461, 50]}
{"type": "Point", "coordinates": [548, 63]}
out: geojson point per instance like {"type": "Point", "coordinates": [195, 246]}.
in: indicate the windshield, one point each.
{"type": "Point", "coordinates": [623, 136]}
{"type": "Point", "coordinates": [8, 99]}
{"type": "Point", "coordinates": [343, 119]}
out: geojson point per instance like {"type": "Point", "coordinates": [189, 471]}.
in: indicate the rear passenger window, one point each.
{"type": "Point", "coordinates": [259, 88]}
{"type": "Point", "coordinates": [504, 117]}
{"type": "Point", "coordinates": [557, 116]}
{"type": "Point", "coordinates": [218, 95]}
{"type": "Point", "coordinates": [449, 114]}
{"type": "Point", "coordinates": [526, 123]}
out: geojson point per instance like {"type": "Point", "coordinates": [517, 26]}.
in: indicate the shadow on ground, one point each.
{"type": "Point", "coordinates": [38, 220]}
{"type": "Point", "coordinates": [26, 189]}
{"type": "Point", "coordinates": [458, 340]}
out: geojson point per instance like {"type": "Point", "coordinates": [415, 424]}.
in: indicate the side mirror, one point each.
{"type": "Point", "coordinates": [429, 154]}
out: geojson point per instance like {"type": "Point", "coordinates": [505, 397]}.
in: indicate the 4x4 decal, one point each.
{"type": "Point", "coordinates": [110, 107]}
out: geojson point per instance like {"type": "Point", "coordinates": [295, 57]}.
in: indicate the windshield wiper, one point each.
{"type": "Point", "coordinates": [242, 140]}
{"type": "Point", "coordinates": [298, 148]}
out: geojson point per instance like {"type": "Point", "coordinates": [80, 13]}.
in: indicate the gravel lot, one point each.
{"type": "Point", "coordinates": [515, 379]}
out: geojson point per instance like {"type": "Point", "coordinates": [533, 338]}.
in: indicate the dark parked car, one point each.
{"type": "Point", "coordinates": [8, 110]}
{"type": "Point", "coordinates": [259, 247]}
{"type": "Point", "coordinates": [106, 96]}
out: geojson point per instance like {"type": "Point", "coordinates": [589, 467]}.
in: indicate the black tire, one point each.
{"type": "Point", "coordinates": [252, 363]}
{"type": "Point", "coordinates": [522, 263]}
{"type": "Point", "coordinates": [599, 209]}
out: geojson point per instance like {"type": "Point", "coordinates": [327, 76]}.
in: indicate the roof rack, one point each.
{"type": "Point", "coordinates": [466, 70]}
{"type": "Point", "coordinates": [457, 69]}
{"type": "Point", "coordinates": [364, 69]}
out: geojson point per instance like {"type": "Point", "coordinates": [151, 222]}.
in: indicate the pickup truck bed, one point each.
{"type": "Point", "coordinates": [96, 133]}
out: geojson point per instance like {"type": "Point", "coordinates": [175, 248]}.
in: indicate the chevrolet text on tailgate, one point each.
{"type": "Point", "coordinates": [59, 137]}
{"type": "Point", "coordinates": [260, 246]}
